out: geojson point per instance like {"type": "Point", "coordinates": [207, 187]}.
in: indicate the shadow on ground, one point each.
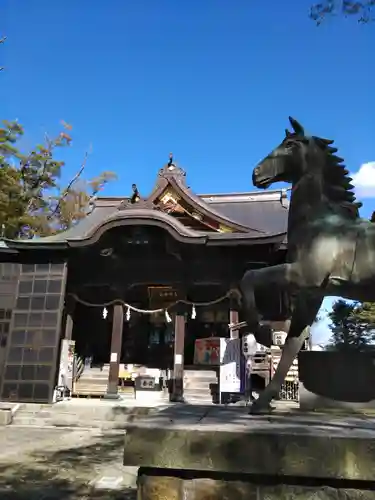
{"type": "Point", "coordinates": [70, 473]}
{"type": "Point", "coordinates": [65, 474]}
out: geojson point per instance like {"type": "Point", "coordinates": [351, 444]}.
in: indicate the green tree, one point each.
{"type": "Point", "coordinates": [32, 201]}
{"type": "Point", "coordinates": [352, 325]}
{"type": "Point", "coordinates": [362, 11]}
{"type": "Point", "coordinates": [365, 315]}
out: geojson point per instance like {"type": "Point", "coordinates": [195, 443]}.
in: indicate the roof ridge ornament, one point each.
{"type": "Point", "coordinates": [171, 169]}
{"type": "Point", "coordinates": [170, 162]}
{"type": "Point", "coordinates": [135, 201]}
{"type": "Point", "coordinates": [135, 196]}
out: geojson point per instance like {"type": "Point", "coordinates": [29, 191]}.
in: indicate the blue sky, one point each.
{"type": "Point", "coordinates": [212, 81]}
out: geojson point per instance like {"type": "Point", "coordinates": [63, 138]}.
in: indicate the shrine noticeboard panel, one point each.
{"type": "Point", "coordinates": [207, 351]}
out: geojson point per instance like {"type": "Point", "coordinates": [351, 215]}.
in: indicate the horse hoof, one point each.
{"type": "Point", "coordinates": [257, 409]}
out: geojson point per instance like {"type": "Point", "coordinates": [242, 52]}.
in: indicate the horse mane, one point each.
{"type": "Point", "coordinates": [338, 187]}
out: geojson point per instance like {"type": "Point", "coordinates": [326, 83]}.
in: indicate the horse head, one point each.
{"type": "Point", "coordinates": [312, 160]}
{"type": "Point", "coordinates": [287, 162]}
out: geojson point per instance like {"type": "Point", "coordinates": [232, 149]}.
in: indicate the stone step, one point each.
{"type": "Point", "coordinates": [197, 394]}
{"type": "Point", "coordinates": [82, 387]}
{"type": "Point", "coordinates": [200, 376]}
{"type": "Point", "coordinates": [96, 370]}
{"type": "Point", "coordinates": [96, 386]}
{"type": "Point", "coordinates": [200, 385]}
{"type": "Point", "coordinates": [90, 373]}
{"type": "Point", "coordinates": [96, 367]}
{"type": "Point", "coordinates": [90, 387]}
{"type": "Point", "coordinates": [92, 381]}
{"type": "Point", "coordinates": [99, 379]}
{"type": "Point", "coordinates": [94, 374]}
{"type": "Point", "coordinates": [103, 382]}
{"type": "Point", "coordinates": [203, 374]}
{"type": "Point", "coordinates": [96, 382]}
{"type": "Point", "coordinates": [89, 392]}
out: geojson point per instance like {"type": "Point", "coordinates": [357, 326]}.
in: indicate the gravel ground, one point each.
{"type": "Point", "coordinates": [69, 464]}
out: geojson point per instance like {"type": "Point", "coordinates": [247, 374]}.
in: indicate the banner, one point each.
{"type": "Point", "coordinates": [230, 365]}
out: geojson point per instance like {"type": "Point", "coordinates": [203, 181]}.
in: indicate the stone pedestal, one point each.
{"type": "Point", "coordinates": [5, 417]}
{"type": "Point", "coordinates": [153, 487]}
{"type": "Point", "coordinates": [196, 453]}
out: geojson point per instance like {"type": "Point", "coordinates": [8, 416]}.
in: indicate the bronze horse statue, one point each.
{"type": "Point", "coordinates": [331, 250]}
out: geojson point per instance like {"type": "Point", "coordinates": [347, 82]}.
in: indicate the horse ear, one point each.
{"type": "Point", "coordinates": [287, 133]}
{"type": "Point", "coordinates": [298, 129]}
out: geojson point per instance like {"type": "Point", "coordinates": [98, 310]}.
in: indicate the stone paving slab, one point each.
{"type": "Point", "coordinates": [219, 439]}
{"type": "Point", "coordinates": [63, 464]}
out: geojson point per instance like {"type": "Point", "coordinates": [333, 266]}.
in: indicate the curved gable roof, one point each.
{"type": "Point", "coordinates": [257, 216]}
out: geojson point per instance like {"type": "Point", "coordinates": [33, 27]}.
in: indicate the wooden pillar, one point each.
{"type": "Point", "coordinates": [233, 317]}
{"type": "Point", "coordinates": [116, 343]}
{"type": "Point", "coordinates": [177, 395]}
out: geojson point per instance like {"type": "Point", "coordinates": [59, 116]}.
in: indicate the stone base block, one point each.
{"type": "Point", "coordinates": [174, 488]}
{"type": "Point", "coordinates": [187, 452]}
{"type": "Point", "coordinates": [5, 417]}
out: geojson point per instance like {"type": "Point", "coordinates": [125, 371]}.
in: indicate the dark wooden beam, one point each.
{"type": "Point", "coordinates": [116, 343]}
{"type": "Point", "coordinates": [178, 362]}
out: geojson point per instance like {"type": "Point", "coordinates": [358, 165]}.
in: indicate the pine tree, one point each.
{"type": "Point", "coordinates": [352, 325]}
{"type": "Point", "coordinates": [32, 202]}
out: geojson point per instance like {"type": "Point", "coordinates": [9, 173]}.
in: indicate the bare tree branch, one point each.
{"type": "Point", "coordinates": [71, 182]}
{"type": "Point", "coordinates": [2, 40]}
{"type": "Point", "coordinates": [327, 8]}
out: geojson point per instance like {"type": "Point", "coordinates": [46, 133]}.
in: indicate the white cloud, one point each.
{"type": "Point", "coordinates": [364, 180]}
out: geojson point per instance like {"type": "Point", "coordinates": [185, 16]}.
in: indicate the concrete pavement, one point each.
{"type": "Point", "coordinates": [69, 464]}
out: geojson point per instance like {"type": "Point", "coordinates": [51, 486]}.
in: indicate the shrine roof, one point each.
{"type": "Point", "coordinates": [248, 217]}
{"type": "Point", "coordinates": [265, 209]}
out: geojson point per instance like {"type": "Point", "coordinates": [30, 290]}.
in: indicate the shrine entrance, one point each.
{"type": "Point", "coordinates": [148, 252]}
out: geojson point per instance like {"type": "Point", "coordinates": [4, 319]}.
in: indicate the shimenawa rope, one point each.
{"type": "Point", "coordinates": [154, 311]}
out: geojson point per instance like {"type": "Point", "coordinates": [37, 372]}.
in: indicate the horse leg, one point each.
{"type": "Point", "coordinates": [305, 311]}
{"type": "Point", "coordinates": [247, 287]}
{"type": "Point", "coordinates": [281, 276]}
{"type": "Point", "coordinates": [247, 290]}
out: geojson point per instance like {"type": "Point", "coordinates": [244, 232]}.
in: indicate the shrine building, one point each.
{"type": "Point", "coordinates": [146, 252]}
